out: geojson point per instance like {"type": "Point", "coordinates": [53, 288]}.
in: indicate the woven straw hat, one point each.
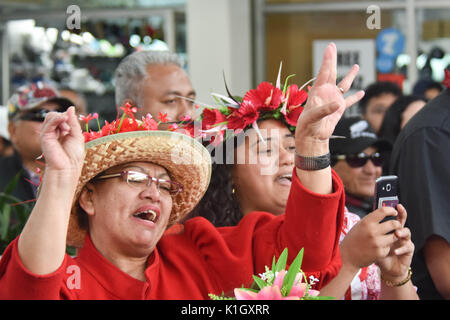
{"type": "Point", "coordinates": [185, 159]}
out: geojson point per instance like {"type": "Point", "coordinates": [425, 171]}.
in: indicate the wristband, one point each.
{"type": "Point", "coordinates": [398, 284]}
{"type": "Point", "coordinates": [312, 163]}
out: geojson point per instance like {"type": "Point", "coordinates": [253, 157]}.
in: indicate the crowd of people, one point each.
{"type": "Point", "coordinates": [295, 173]}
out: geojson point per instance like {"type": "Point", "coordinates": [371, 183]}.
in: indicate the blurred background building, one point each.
{"type": "Point", "coordinates": [78, 44]}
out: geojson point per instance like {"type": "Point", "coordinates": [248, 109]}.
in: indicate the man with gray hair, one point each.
{"type": "Point", "coordinates": [154, 82]}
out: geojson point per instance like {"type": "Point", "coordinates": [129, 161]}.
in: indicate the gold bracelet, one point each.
{"type": "Point", "coordinates": [398, 284]}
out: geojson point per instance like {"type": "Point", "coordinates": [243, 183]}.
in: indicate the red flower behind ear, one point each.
{"type": "Point", "coordinates": [446, 81]}
{"type": "Point", "coordinates": [265, 97]}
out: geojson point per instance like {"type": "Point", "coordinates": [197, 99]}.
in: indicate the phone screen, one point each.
{"type": "Point", "coordinates": [386, 189]}
{"type": "Point", "coordinates": [388, 202]}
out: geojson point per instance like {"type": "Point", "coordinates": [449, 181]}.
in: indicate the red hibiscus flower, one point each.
{"type": "Point", "coordinates": [244, 116]}
{"type": "Point", "coordinates": [293, 114]}
{"type": "Point", "coordinates": [446, 81]}
{"type": "Point", "coordinates": [212, 117]}
{"type": "Point", "coordinates": [296, 97]}
{"type": "Point", "coordinates": [264, 97]}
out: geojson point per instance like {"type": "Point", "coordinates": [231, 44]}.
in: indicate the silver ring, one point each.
{"type": "Point", "coordinates": [341, 90]}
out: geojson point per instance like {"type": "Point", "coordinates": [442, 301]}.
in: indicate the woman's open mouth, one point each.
{"type": "Point", "coordinates": [284, 179]}
{"type": "Point", "coordinates": [147, 214]}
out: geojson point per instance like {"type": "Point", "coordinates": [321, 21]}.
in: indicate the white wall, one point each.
{"type": "Point", "coordinates": [219, 40]}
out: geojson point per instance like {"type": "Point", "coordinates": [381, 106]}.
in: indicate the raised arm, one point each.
{"type": "Point", "coordinates": [324, 108]}
{"type": "Point", "coordinates": [42, 243]}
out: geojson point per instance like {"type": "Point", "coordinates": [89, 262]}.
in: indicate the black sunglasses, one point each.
{"type": "Point", "coordinates": [360, 159]}
{"type": "Point", "coordinates": [36, 115]}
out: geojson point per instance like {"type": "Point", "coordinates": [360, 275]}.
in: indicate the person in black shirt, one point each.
{"type": "Point", "coordinates": [421, 160]}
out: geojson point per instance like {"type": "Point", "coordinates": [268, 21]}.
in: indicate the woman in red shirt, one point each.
{"type": "Point", "coordinates": [129, 188]}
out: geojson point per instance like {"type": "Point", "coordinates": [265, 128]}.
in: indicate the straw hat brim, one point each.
{"type": "Point", "coordinates": [185, 159]}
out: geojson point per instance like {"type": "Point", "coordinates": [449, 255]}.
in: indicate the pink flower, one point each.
{"type": "Point", "coordinates": [149, 122]}
{"type": "Point", "coordinates": [129, 110]}
{"type": "Point", "coordinates": [266, 293]}
{"type": "Point", "coordinates": [186, 118]}
{"type": "Point", "coordinates": [89, 117]}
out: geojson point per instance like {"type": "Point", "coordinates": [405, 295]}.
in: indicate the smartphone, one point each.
{"type": "Point", "coordinates": [386, 194]}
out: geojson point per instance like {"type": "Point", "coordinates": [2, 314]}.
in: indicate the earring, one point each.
{"type": "Point", "coordinates": [233, 191]}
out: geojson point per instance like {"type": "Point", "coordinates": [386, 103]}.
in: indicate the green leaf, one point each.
{"type": "Point", "coordinates": [319, 298]}
{"type": "Point", "coordinates": [285, 83]}
{"type": "Point", "coordinates": [292, 272]}
{"type": "Point", "coordinates": [281, 263]}
{"type": "Point", "coordinates": [9, 188]}
{"type": "Point", "coordinates": [273, 264]}
{"type": "Point", "coordinates": [260, 282]}
{"type": "Point", "coordinates": [4, 220]}
{"type": "Point", "coordinates": [221, 297]}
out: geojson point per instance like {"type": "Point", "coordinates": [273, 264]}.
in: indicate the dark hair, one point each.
{"type": "Point", "coordinates": [219, 204]}
{"type": "Point", "coordinates": [376, 89]}
{"type": "Point", "coordinates": [391, 125]}
{"type": "Point", "coordinates": [434, 85]}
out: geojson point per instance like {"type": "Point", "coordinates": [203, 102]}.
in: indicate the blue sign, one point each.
{"type": "Point", "coordinates": [385, 64]}
{"type": "Point", "coordinates": [390, 42]}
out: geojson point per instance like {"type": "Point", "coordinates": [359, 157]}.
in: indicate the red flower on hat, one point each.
{"type": "Point", "coordinates": [149, 123]}
{"type": "Point", "coordinates": [446, 81]}
{"type": "Point", "coordinates": [244, 116]}
{"type": "Point", "coordinates": [264, 97]}
{"type": "Point", "coordinates": [128, 109]}
{"type": "Point", "coordinates": [89, 117]}
{"type": "Point", "coordinates": [162, 117]}
{"type": "Point", "coordinates": [91, 135]}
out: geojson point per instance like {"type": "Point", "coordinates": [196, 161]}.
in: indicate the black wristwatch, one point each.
{"type": "Point", "coordinates": [312, 163]}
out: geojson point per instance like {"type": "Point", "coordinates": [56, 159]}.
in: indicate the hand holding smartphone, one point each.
{"type": "Point", "coordinates": [386, 194]}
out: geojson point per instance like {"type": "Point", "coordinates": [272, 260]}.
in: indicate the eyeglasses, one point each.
{"type": "Point", "coordinates": [360, 159]}
{"type": "Point", "coordinates": [141, 180]}
{"type": "Point", "coordinates": [36, 115]}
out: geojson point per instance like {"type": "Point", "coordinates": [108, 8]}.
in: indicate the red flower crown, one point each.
{"type": "Point", "coordinates": [265, 102]}
{"type": "Point", "coordinates": [127, 122]}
